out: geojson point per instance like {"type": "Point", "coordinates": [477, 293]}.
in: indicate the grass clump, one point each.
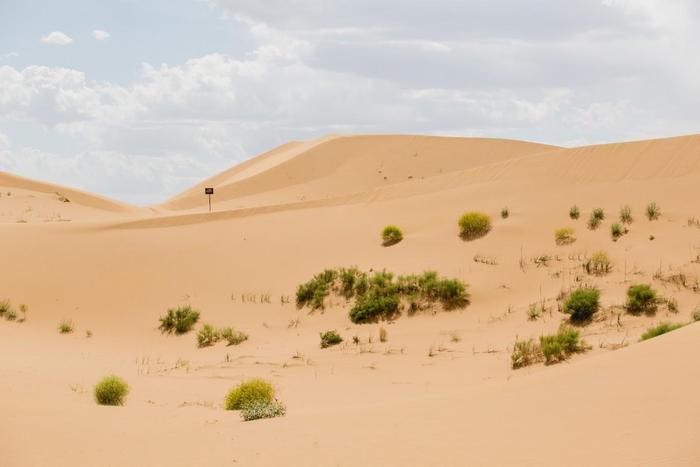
{"type": "Point", "coordinates": [653, 211]}
{"type": "Point", "coordinates": [582, 304]}
{"type": "Point", "coordinates": [505, 213]}
{"type": "Point", "coordinates": [233, 337]}
{"type": "Point", "coordinates": [626, 215]}
{"type": "Point", "coordinates": [391, 235]}
{"type": "Point", "coordinates": [5, 307]}
{"type": "Point", "coordinates": [315, 291]}
{"type": "Point", "coordinates": [696, 313]}
{"type": "Point", "coordinates": [473, 225]}
{"type": "Point", "coordinates": [525, 353]}
{"type": "Point", "coordinates": [564, 236]}
{"type": "Point", "coordinates": [111, 390]}
{"type": "Point", "coordinates": [616, 231]}
{"type": "Point", "coordinates": [662, 328]}
{"type": "Point", "coordinates": [574, 212]}
{"type": "Point", "coordinates": [65, 327]}
{"type": "Point", "coordinates": [179, 320]}
{"type": "Point", "coordinates": [252, 391]}
{"type": "Point", "coordinates": [598, 264]}
{"type": "Point", "coordinates": [262, 409]}
{"type": "Point", "coordinates": [207, 336]}
{"type": "Point", "coordinates": [596, 218]}
{"type": "Point", "coordinates": [641, 298]}
{"type": "Point", "coordinates": [330, 338]}
{"type": "Point", "coordinates": [558, 347]}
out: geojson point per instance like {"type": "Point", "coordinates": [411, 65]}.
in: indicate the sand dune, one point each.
{"type": "Point", "coordinates": [439, 391]}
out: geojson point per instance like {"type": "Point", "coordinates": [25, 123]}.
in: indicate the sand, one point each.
{"type": "Point", "coordinates": [424, 397]}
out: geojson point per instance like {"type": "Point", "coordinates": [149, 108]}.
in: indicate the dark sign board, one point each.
{"type": "Point", "coordinates": [209, 191]}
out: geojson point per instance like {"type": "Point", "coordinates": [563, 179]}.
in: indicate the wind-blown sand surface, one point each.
{"type": "Point", "coordinates": [421, 398]}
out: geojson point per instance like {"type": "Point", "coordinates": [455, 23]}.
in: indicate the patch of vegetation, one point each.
{"type": "Point", "coordinates": [662, 328]}
{"type": "Point", "coordinates": [582, 304]}
{"type": "Point", "coordinates": [574, 212]}
{"type": "Point", "coordinates": [330, 338]}
{"type": "Point", "coordinates": [564, 236]}
{"type": "Point", "coordinates": [391, 235]}
{"type": "Point", "coordinates": [626, 215]}
{"type": "Point", "coordinates": [252, 391]}
{"type": "Point", "coordinates": [525, 353]}
{"type": "Point", "coordinates": [558, 347]}
{"type": "Point", "coordinates": [382, 334]}
{"type": "Point", "coordinates": [111, 390]}
{"type": "Point", "coordinates": [641, 298]}
{"type": "Point", "coordinates": [65, 327]}
{"type": "Point", "coordinates": [653, 211]}
{"type": "Point", "coordinates": [473, 225]}
{"type": "Point", "coordinates": [5, 307]}
{"type": "Point", "coordinates": [179, 320]}
{"type": "Point", "coordinates": [207, 336]}
{"type": "Point", "coordinates": [593, 222]}
{"type": "Point", "coordinates": [616, 231]}
{"type": "Point", "coordinates": [233, 337]}
{"type": "Point", "coordinates": [598, 213]}
{"type": "Point", "coordinates": [314, 292]}
{"type": "Point", "coordinates": [598, 264]}
{"type": "Point", "coordinates": [262, 409]}
{"type": "Point", "coordinates": [505, 213]}
{"type": "Point", "coordinates": [11, 314]}
{"type": "Point", "coordinates": [696, 313]}
{"type": "Point", "coordinates": [23, 308]}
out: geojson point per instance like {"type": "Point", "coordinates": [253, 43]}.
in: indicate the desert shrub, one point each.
{"type": "Point", "coordinates": [233, 337]}
{"type": "Point", "coordinates": [330, 338]}
{"type": "Point", "coordinates": [598, 213]}
{"type": "Point", "coordinates": [179, 320]}
{"type": "Point", "coordinates": [505, 212]}
{"type": "Point", "coordinates": [315, 291]}
{"type": "Point", "coordinates": [352, 281]}
{"type": "Point", "coordinates": [263, 409]}
{"type": "Point", "coordinates": [564, 236]}
{"type": "Point", "coordinates": [382, 334]}
{"type": "Point", "coordinates": [626, 215]}
{"type": "Point", "coordinates": [671, 304]}
{"type": "Point", "coordinates": [574, 212]}
{"type": "Point", "coordinates": [557, 347]}
{"type": "Point", "coordinates": [65, 327]}
{"type": "Point", "coordinates": [452, 293]}
{"type": "Point", "coordinates": [11, 314]}
{"type": "Point", "coordinates": [111, 390]}
{"type": "Point", "coordinates": [5, 307]}
{"type": "Point", "coordinates": [375, 304]}
{"type": "Point", "coordinates": [582, 304]}
{"type": "Point", "coordinates": [662, 328]}
{"type": "Point", "coordinates": [616, 231]}
{"type": "Point", "coordinates": [525, 353]}
{"type": "Point", "coordinates": [653, 211]}
{"type": "Point", "coordinates": [598, 264]}
{"type": "Point", "coordinates": [207, 336]}
{"type": "Point", "coordinates": [696, 313]}
{"type": "Point", "coordinates": [391, 235]}
{"type": "Point", "coordinates": [249, 392]}
{"type": "Point", "coordinates": [23, 308]}
{"type": "Point", "coordinates": [641, 298]}
{"type": "Point", "coordinates": [473, 225]}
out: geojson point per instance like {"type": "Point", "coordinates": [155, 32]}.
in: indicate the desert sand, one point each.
{"type": "Point", "coordinates": [440, 391]}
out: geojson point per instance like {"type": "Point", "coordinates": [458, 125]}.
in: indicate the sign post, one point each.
{"type": "Point", "coordinates": [209, 191]}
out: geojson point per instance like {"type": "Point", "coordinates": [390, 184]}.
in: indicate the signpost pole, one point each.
{"type": "Point", "coordinates": [209, 191]}
{"type": "Point", "coordinates": [209, 203]}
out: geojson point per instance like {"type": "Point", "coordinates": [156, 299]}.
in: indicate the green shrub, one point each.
{"type": "Point", "coordinates": [662, 328]}
{"type": "Point", "coordinates": [598, 213]}
{"type": "Point", "coordinates": [5, 307]}
{"type": "Point", "coordinates": [564, 236]}
{"type": "Point", "coordinates": [179, 320]}
{"type": "Point", "coordinates": [505, 213]}
{"type": "Point", "coordinates": [626, 215]}
{"type": "Point", "coordinates": [233, 337]}
{"type": "Point", "coordinates": [525, 353]}
{"type": "Point", "coordinates": [616, 231]}
{"type": "Point", "coordinates": [473, 225]}
{"type": "Point", "coordinates": [263, 409]}
{"type": "Point", "coordinates": [330, 338]}
{"type": "Point", "coordinates": [599, 264]}
{"type": "Point", "coordinates": [352, 282]}
{"type": "Point", "coordinates": [696, 313]}
{"type": "Point", "coordinates": [111, 390]}
{"type": "Point", "coordinates": [375, 304]}
{"type": "Point", "coordinates": [641, 298]}
{"type": "Point", "coordinates": [207, 336]}
{"type": "Point", "coordinates": [391, 235]}
{"type": "Point", "coordinates": [582, 304]}
{"type": "Point", "coordinates": [249, 392]}
{"type": "Point", "coordinates": [574, 212]}
{"type": "Point", "coordinates": [557, 347]}
{"type": "Point", "coordinates": [315, 291]}
{"type": "Point", "coordinates": [452, 293]}
{"type": "Point", "coordinates": [65, 327]}
{"type": "Point", "coordinates": [653, 211]}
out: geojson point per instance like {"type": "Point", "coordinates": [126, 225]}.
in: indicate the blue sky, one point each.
{"type": "Point", "coordinates": [170, 92]}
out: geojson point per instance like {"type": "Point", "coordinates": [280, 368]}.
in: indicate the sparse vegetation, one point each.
{"type": "Point", "coordinates": [574, 212]}
{"type": "Point", "coordinates": [5, 307]}
{"type": "Point", "coordinates": [207, 336]}
{"type": "Point", "coordinates": [473, 225]}
{"type": "Point", "coordinates": [696, 313]}
{"type": "Point", "coordinates": [179, 320]}
{"type": "Point", "coordinates": [595, 219]}
{"type": "Point", "coordinates": [253, 391]}
{"type": "Point", "coordinates": [65, 327]}
{"type": "Point", "coordinates": [626, 215]}
{"type": "Point", "coordinates": [23, 308]}
{"type": "Point", "coordinates": [263, 409]}
{"type": "Point", "coordinates": [598, 264]}
{"type": "Point", "coordinates": [534, 311]}
{"type": "Point", "coordinates": [558, 347]}
{"type": "Point", "coordinates": [653, 211]}
{"type": "Point", "coordinates": [391, 235]}
{"type": "Point", "coordinates": [564, 236]}
{"type": "Point", "coordinates": [314, 292]}
{"type": "Point", "coordinates": [662, 328]}
{"type": "Point", "coordinates": [598, 213]}
{"type": "Point", "coordinates": [330, 338]}
{"type": "Point", "coordinates": [525, 353]}
{"type": "Point", "coordinates": [641, 298]}
{"type": "Point", "coordinates": [582, 304]}
{"type": "Point", "coordinates": [233, 337]}
{"type": "Point", "coordinates": [616, 231]}
{"type": "Point", "coordinates": [505, 213]}
{"type": "Point", "coordinates": [111, 390]}
{"type": "Point", "coordinates": [382, 334]}
{"type": "Point", "coordinates": [11, 314]}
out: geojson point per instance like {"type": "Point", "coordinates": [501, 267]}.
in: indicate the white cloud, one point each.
{"type": "Point", "coordinates": [57, 38]}
{"type": "Point", "coordinates": [100, 35]}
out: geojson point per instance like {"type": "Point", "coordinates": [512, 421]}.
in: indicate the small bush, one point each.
{"type": "Point", "coordinates": [263, 409]}
{"type": "Point", "coordinates": [662, 328]}
{"type": "Point", "coordinates": [564, 236]}
{"type": "Point", "coordinates": [653, 211]}
{"type": "Point", "coordinates": [65, 327]}
{"type": "Point", "coordinates": [593, 222]}
{"type": "Point", "coordinates": [557, 347]}
{"type": "Point", "coordinates": [179, 320]}
{"type": "Point", "coordinates": [207, 336]}
{"type": "Point", "coordinates": [574, 212]}
{"type": "Point", "coordinates": [473, 225]}
{"type": "Point", "coordinates": [391, 235]}
{"type": "Point", "coordinates": [641, 298]}
{"type": "Point", "coordinates": [315, 291]}
{"type": "Point", "coordinates": [582, 304]}
{"type": "Point", "coordinates": [11, 314]}
{"type": "Point", "coordinates": [598, 213]}
{"type": "Point", "coordinates": [374, 305]}
{"type": "Point", "coordinates": [249, 392]}
{"type": "Point", "coordinates": [111, 390]}
{"type": "Point", "coordinates": [696, 313]}
{"type": "Point", "coordinates": [505, 212]}
{"type": "Point", "coordinates": [599, 264]}
{"type": "Point", "coordinates": [5, 307]}
{"type": "Point", "coordinates": [525, 353]}
{"type": "Point", "coordinates": [626, 215]}
{"type": "Point", "coordinates": [330, 338]}
{"type": "Point", "coordinates": [616, 231]}
{"type": "Point", "coordinates": [233, 337]}
{"type": "Point", "coordinates": [23, 308]}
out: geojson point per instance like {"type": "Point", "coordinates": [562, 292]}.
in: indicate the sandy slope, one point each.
{"type": "Point", "coordinates": [421, 398]}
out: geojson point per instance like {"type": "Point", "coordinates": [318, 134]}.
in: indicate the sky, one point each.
{"type": "Point", "coordinates": [138, 100]}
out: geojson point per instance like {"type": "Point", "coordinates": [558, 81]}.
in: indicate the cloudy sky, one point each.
{"type": "Point", "coordinates": [139, 99]}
